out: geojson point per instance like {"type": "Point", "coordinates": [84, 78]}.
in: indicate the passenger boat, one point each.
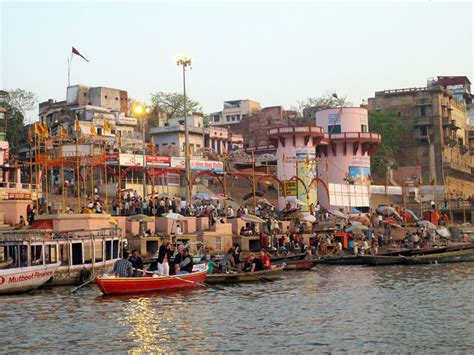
{"type": "Point", "coordinates": [18, 278]}
{"type": "Point", "coordinates": [239, 277]}
{"type": "Point", "coordinates": [305, 264]}
{"type": "Point", "coordinates": [111, 285]}
{"type": "Point", "coordinates": [82, 254]}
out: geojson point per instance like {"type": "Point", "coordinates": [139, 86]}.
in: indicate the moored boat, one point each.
{"type": "Point", "coordinates": [342, 260]}
{"type": "Point", "coordinates": [110, 285]}
{"type": "Point", "coordinates": [82, 254]}
{"type": "Point", "coordinates": [305, 264]}
{"type": "Point", "coordinates": [240, 277]}
{"type": "Point", "coordinates": [455, 256]}
{"type": "Point", "coordinates": [276, 260]}
{"type": "Point", "coordinates": [379, 260]}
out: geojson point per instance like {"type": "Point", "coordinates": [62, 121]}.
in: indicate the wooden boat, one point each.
{"type": "Point", "coordinates": [379, 260]}
{"type": "Point", "coordinates": [456, 256]}
{"type": "Point", "coordinates": [341, 260]}
{"type": "Point", "coordinates": [23, 279]}
{"type": "Point", "coordinates": [239, 277]}
{"type": "Point", "coordinates": [82, 253]}
{"type": "Point", "coordinates": [276, 260]}
{"type": "Point", "coordinates": [110, 285]}
{"type": "Point", "coordinates": [305, 264]}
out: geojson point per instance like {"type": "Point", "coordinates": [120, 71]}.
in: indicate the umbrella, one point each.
{"type": "Point", "coordinates": [443, 231]}
{"type": "Point", "coordinates": [259, 200]}
{"type": "Point", "coordinates": [252, 219]}
{"type": "Point", "coordinates": [222, 197]}
{"type": "Point", "coordinates": [250, 194]}
{"type": "Point", "coordinates": [388, 211]}
{"type": "Point", "coordinates": [202, 196]}
{"type": "Point", "coordinates": [141, 218]}
{"type": "Point", "coordinates": [113, 221]}
{"type": "Point", "coordinates": [413, 215]}
{"type": "Point", "coordinates": [358, 229]}
{"type": "Point", "coordinates": [392, 222]}
{"type": "Point", "coordinates": [338, 214]}
{"type": "Point", "coordinates": [361, 219]}
{"type": "Point", "coordinates": [309, 218]}
{"type": "Point", "coordinates": [173, 216]}
{"type": "Point", "coordinates": [426, 224]}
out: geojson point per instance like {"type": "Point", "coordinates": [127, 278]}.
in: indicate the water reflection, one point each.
{"type": "Point", "coordinates": [331, 309]}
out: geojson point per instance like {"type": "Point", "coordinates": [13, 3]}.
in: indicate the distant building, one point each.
{"type": "Point", "coordinates": [233, 112]}
{"type": "Point", "coordinates": [436, 131]}
{"type": "Point", "coordinates": [92, 105]}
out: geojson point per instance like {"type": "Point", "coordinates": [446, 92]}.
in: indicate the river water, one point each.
{"type": "Point", "coordinates": [428, 309]}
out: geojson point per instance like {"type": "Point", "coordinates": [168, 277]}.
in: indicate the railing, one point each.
{"type": "Point", "coordinates": [355, 135]}
{"type": "Point", "coordinates": [292, 130]}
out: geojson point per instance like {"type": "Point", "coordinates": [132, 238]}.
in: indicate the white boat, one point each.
{"type": "Point", "coordinates": [82, 254]}
{"type": "Point", "coordinates": [22, 279]}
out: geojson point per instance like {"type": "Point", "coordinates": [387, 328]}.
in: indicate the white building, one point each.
{"type": "Point", "coordinates": [233, 112]}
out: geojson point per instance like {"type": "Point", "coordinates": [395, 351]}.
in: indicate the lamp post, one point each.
{"type": "Point", "coordinates": [186, 62]}
{"type": "Point", "coordinates": [140, 111]}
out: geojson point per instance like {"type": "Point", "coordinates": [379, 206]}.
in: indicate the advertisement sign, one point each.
{"type": "Point", "coordinates": [158, 161]}
{"type": "Point", "coordinates": [131, 159]}
{"type": "Point", "coordinates": [179, 163]}
{"type": "Point", "coordinates": [305, 153]}
{"type": "Point", "coordinates": [112, 159]}
{"type": "Point", "coordinates": [359, 174]}
{"type": "Point", "coordinates": [198, 165]}
{"type": "Point", "coordinates": [290, 188]}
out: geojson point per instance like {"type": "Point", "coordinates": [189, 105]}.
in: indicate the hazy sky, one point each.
{"type": "Point", "coordinates": [273, 52]}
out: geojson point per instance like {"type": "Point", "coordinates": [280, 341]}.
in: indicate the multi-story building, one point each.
{"type": "Point", "coordinates": [92, 105]}
{"type": "Point", "coordinates": [435, 133]}
{"type": "Point", "coordinates": [233, 112]}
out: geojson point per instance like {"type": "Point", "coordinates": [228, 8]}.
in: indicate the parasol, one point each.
{"type": "Point", "coordinates": [252, 219]}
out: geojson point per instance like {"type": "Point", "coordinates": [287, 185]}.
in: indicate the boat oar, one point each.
{"type": "Point", "coordinates": [217, 288]}
{"type": "Point", "coordinates": [81, 286]}
{"type": "Point", "coordinates": [264, 279]}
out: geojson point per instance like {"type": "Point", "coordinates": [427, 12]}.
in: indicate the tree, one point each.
{"type": "Point", "coordinates": [18, 103]}
{"type": "Point", "coordinates": [172, 104]}
{"type": "Point", "coordinates": [308, 107]}
{"type": "Point", "coordinates": [389, 126]}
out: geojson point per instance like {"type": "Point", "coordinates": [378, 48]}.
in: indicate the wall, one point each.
{"type": "Point", "coordinates": [105, 97]}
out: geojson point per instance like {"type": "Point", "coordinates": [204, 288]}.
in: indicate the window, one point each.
{"type": "Point", "coordinates": [334, 129]}
{"type": "Point", "coordinates": [99, 131]}
{"type": "Point", "coordinates": [423, 131]}
{"type": "Point", "coordinates": [363, 128]}
{"type": "Point", "coordinates": [36, 255]}
{"type": "Point", "coordinates": [105, 96]}
{"type": "Point", "coordinates": [77, 253]}
{"type": "Point", "coordinates": [218, 243]}
{"type": "Point", "coordinates": [228, 117]}
{"type": "Point", "coordinates": [63, 254]}
{"type": "Point", "coordinates": [217, 118]}
{"type": "Point", "coordinates": [422, 111]}
{"type": "Point", "coordinates": [50, 254]}
{"type": "Point", "coordinates": [115, 252]}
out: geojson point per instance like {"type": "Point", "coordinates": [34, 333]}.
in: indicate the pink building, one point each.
{"type": "Point", "coordinates": [334, 156]}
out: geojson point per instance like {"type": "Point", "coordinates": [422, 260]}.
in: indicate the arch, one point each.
{"type": "Point", "coordinates": [295, 177]}
{"type": "Point", "coordinates": [315, 182]}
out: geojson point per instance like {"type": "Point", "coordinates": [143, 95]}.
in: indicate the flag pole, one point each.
{"type": "Point", "coordinates": [36, 175]}
{"type": "Point", "coordinates": [78, 178]}
{"type": "Point", "coordinates": [106, 182]}
{"type": "Point", "coordinates": [69, 70]}
{"type": "Point", "coordinates": [62, 174]}
{"type": "Point", "coordinates": [92, 170]}
{"type": "Point", "coordinates": [31, 168]}
{"type": "Point", "coordinates": [46, 176]}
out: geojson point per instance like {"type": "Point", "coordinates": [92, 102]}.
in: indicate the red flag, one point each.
{"type": "Point", "coordinates": [75, 51]}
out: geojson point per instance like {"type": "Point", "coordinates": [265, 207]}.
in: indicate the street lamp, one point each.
{"type": "Point", "coordinates": [186, 62]}
{"type": "Point", "coordinates": [139, 110]}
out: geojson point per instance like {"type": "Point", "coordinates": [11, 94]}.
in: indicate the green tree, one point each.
{"type": "Point", "coordinates": [306, 108]}
{"type": "Point", "coordinates": [389, 126]}
{"type": "Point", "coordinates": [172, 103]}
{"type": "Point", "coordinates": [18, 103]}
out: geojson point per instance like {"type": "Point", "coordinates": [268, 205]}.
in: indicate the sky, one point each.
{"type": "Point", "coordinates": [273, 52]}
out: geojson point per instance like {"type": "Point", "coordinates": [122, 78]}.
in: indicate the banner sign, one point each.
{"type": "Point", "coordinates": [158, 161]}
{"type": "Point", "coordinates": [198, 165]}
{"type": "Point", "coordinates": [112, 159]}
{"type": "Point", "coordinates": [289, 188]}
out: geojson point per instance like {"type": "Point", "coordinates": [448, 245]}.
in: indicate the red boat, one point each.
{"type": "Point", "coordinates": [305, 264]}
{"type": "Point", "coordinates": [127, 285]}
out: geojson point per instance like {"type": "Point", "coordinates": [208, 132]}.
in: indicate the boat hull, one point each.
{"type": "Point", "coordinates": [379, 260]}
{"type": "Point", "coordinates": [443, 258]}
{"type": "Point", "coordinates": [131, 285]}
{"type": "Point", "coordinates": [272, 274]}
{"type": "Point", "coordinates": [302, 265]}
{"type": "Point", "coordinates": [25, 279]}
{"type": "Point", "coordinates": [343, 260]}
{"type": "Point", "coordinates": [74, 275]}
{"type": "Point", "coordinates": [278, 260]}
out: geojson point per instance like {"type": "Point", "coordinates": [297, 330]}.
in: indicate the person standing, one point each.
{"type": "Point", "coordinates": [164, 254]}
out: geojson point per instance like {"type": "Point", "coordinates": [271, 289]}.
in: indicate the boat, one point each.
{"type": "Point", "coordinates": [82, 254]}
{"type": "Point", "coordinates": [276, 260]}
{"type": "Point", "coordinates": [455, 256]}
{"type": "Point", "coordinates": [342, 260]}
{"type": "Point", "coordinates": [240, 277]}
{"type": "Point", "coordinates": [111, 285]}
{"type": "Point", "coordinates": [305, 264]}
{"type": "Point", "coordinates": [378, 260]}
